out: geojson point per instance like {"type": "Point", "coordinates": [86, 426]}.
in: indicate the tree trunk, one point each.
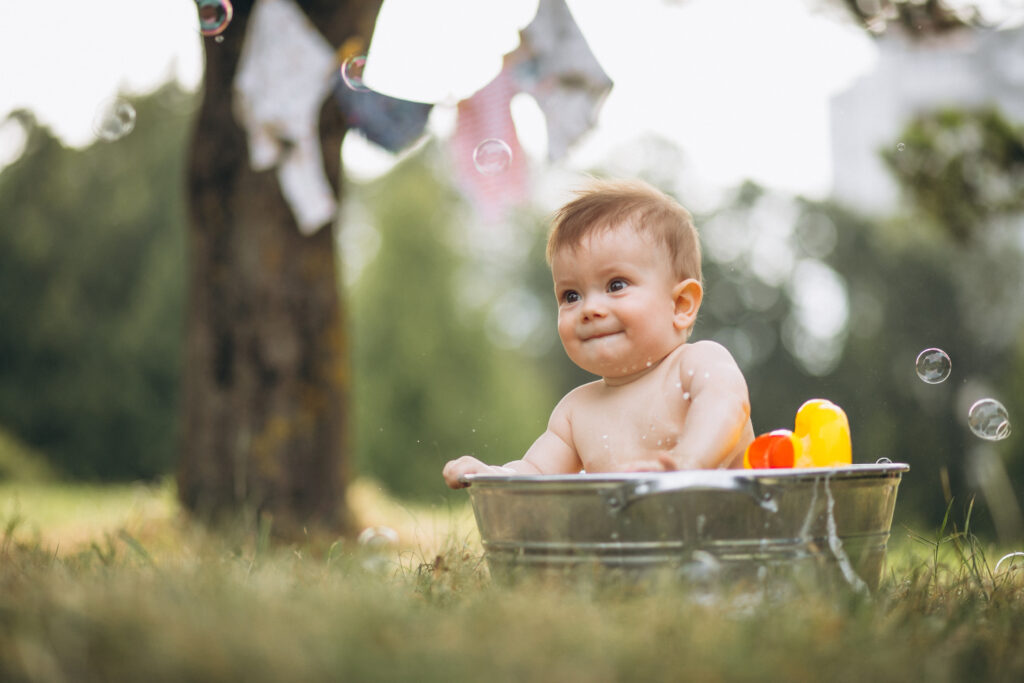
{"type": "Point", "coordinates": [266, 377]}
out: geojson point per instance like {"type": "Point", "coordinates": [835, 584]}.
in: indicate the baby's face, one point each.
{"type": "Point", "coordinates": [616, 307]}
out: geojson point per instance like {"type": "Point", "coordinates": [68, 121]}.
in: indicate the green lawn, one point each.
{"type": "Point", "coordinates": [112, 583]}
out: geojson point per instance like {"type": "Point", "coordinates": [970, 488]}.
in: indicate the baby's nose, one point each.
{"type": "Point", "coordinates": [593, 309]}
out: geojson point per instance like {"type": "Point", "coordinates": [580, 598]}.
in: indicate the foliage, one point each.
{"type": "Point", "coordinates": [961, 168]}
{"type": "Point", "coordinates": [177, 603]}
{"type": "Point", "coordinates": [18, 462]}
{"type": "Point", "coordinates": [92, 275]}
{"type": "Point", "coordinates": [917, 18]}
{"type": "Point", "coordinates": [429, 383]}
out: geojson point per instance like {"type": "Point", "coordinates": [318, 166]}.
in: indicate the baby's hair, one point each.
{"type": "Point", "coordinates": [604, 204]}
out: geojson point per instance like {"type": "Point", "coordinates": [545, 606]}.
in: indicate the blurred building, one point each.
{"type": "Point", "coordinates": [968, 68]}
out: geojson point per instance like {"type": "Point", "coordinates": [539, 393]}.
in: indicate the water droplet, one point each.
{"type": "Point", "coordinates": [706, 375]}
{"type": "Point", "coordinates": [352, 72]}
{"type": "Point", "coordinates": [686, 395]}
{"type": "Point", "coordinates": [883, 461]}
{"type": "Point", "coordinates": [492, 156]}
{"type": "Point", "coordinates": [988, 419]}
{"type": "Point", "coordinates": [604, 436]}
{"type": "Point", "coordinates": [615, 535]}
{"type": "Point", "coordinates": [679, 385]}
{"type": "Point", "coordinates": [900, 147]}
{"type": "Point", "coordinates": [933, 366]}
{"type": "Point", "coordinates": [219, 39]}
{"type": "Point", "coordinates": [114, 120]}
{"type": "Point", "coordinates": [214, 16]}
{"type": "Point", "coordinates": [690, 373]}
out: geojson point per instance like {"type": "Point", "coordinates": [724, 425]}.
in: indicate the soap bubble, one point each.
{"type": "Point", "coordinates": [214, 16]}
{"type": "Point", "coordinates": [492, 156]}
{"type": "Point", "coordinates": [988, 419]}
{"type": "Point", "coordinates": [933, 366]}
{"type": "Point", "coordinates": [1012, 557]}
{"type": "Point", "coordinates": [114, 119]}
{"type": "Point", "coordinates": [900, 146]}
{"type": "Point", "coordinates": [378, 544]}
{"type": "Point", "coordinates": [378, 538]}
{"type": "Point", "coordinates": [352, 72]}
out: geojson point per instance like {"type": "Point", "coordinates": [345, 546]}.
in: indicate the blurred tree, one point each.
{"type": "Point", "coordinates": [917, 18]}
{"type": "Point", "coordinates": [266, 370]}
{"type": "Point", "coordinates": [431, 384]}
{"type": "Point", "coordinates": [91, 263]}
{"type": "Point", "coordinates": [961, 168]}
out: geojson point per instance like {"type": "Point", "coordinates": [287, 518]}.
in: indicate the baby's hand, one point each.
{"type": "Point", "coordinates": [467, 464]}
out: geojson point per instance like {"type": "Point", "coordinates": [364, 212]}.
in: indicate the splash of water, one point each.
{"type": "Point", "coordinates": [805, 528]}
{"type": "Point", "coordinates": [837, 546]}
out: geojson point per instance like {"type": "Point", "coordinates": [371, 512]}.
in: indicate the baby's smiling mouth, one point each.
{"type": "Point", "coordinates": [599, 335]}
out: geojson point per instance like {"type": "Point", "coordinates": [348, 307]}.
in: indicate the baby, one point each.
{"type": "Point", "coordinates": [625, 260]}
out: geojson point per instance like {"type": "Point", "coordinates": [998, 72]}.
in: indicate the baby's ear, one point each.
{"type": "Point", "coordinates": [687, 295]}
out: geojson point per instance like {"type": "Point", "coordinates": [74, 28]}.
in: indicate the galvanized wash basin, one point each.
{"type": "Point", "coordinates": [734, 522]}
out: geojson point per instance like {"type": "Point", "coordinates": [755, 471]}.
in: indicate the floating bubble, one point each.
{"type": "Point", "coordinates": [378, 544]}
{"type": "Point", "coordinates": [933, 366]}
{"type": "Point", "coordinates": [114, 120]}
{"type": "Point", "coordinates": [900, 147]}
{"type": "Point", "coordinates": [989, 420]}
{"type": "Point", "coordinates": [492, 156]}
{"type": "Point", "coordinates": [1010, 557]}
{"type": "Point", "coordinates": [378, 538]}
{"type": "Point", "coordinates": [214, 16]}
{"type": "Point", "coordinates": [352, 72]}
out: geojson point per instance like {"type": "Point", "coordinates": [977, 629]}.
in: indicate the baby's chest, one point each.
{"type": "Point", "coordinates": [614, 432]}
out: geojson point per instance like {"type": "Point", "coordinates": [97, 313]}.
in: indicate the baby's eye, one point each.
{"type": "Point", "coordinates": [570, 297]}
{"type": "Point", "coordinates": [617, 285]}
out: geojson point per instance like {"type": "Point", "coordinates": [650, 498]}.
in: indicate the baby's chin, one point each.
{"type": "Point", "coordinates": [618, 370]}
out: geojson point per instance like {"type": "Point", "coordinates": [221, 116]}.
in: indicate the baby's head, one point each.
{"type": "Point", "coordinates": [606, 204]}
{"type": "Point", "coordinates": [625, 260]}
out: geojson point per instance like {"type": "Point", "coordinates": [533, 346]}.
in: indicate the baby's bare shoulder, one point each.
{"type": "Point", "coordinates": [704, 353]}
{"type": "Point", "coordinates": [581, 396]}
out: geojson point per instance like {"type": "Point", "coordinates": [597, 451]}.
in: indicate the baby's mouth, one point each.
{"type": "Point", "coordinates": [599, 335]}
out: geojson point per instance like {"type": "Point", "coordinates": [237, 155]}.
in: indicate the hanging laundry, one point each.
{"type": "Point", "coordinates": [487, 115]}
{"type": "Point", "coordinates": [389, 122]}
{"type": "Point", "coordinates": [285, 72]}
{"type": "Point", "coordinates": [554, 64]}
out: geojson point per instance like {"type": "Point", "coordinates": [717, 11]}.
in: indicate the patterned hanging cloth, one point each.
{"type": "Point", "coordinates": [284, 74]}
{"type": "Point", "coordinates": [487, 116]}
{"type": "Point", "coordinates": [554, 64]}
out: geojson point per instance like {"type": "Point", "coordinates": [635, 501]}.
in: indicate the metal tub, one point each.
{"type": "Point", "coordinates": [727, 522]}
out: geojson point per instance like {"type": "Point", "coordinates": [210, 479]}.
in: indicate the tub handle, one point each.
{"type": "Point", "coordinates": [624, 495]}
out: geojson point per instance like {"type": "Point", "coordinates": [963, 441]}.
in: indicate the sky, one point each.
{"type": "Point", "coordinates": [742, 86]}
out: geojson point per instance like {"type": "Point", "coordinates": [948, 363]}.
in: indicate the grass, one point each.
{"type": "Point", "coordinates": [101, 583]}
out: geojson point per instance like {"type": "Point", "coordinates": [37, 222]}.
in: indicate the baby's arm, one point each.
{"type": "Point", "coordinates": [717, 428]}
{"type": "Point", "coordinates": [551, 453]}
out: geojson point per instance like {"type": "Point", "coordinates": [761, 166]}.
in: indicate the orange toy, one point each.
{"type": "Point", "coordinates": [820, 438]}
